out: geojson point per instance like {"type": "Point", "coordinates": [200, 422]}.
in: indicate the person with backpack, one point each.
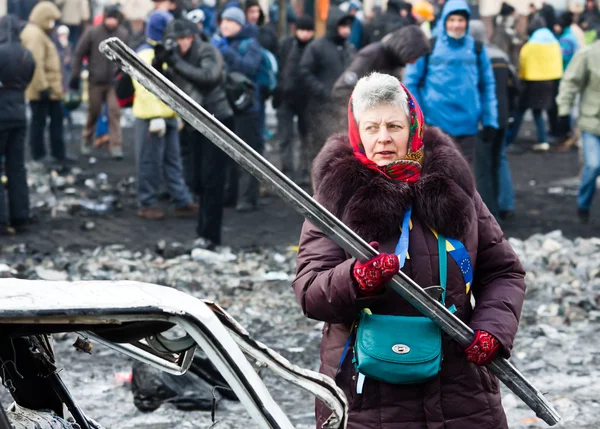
{"type": "Point", "coordinates": [455, 84]}
{"type": "Point", "coordinates": [243, 54]}
{"type": "Point", "coordinates": [196, 67]}
{"type": "Point", "coordinates": [16, 72]}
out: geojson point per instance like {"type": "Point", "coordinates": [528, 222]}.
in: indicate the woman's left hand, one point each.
{"type": "Point", "coordinates": [483, 349]}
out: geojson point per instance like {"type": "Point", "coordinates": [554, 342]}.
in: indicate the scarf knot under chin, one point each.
{"type": "Point", "coordinates": [408, 168]}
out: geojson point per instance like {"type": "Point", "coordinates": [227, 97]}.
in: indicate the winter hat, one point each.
{"type": "Point", "coordinates": [424, 9]}
{"type": "Point", "coordinates": [506, 9]}
{"type": "Point", "coordinates": [306, 23]}
{"type": "Point", "coordinates": [478, 31]}
{"type": "Point", "coordinates": [408, 168]}
{"type": "Point", "coordinates": [462, 13]}
{"type": "Point", "coordinates": [235, 14]}
{"type": "Point", "coordinates": [112, 11]}
{"type": "Point", "coordinates": [157, 22]}
{"type": "Point", "coordinates": [353, 6]}
{"type": "Point", "coordinates": [179, 28]}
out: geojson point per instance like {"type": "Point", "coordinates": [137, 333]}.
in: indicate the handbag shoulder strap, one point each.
{"type": "Point", "coordinates": [443, 262]}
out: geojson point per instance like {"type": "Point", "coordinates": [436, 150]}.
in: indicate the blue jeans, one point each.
{"type": "Point", "coordinates": [540, 125]}
{"type": "Point", "coordinates": [591, 169]}
{"type": "Point", "coordinates": [506, 192]}
{"type": "Point", "coordinates": [157, 157]}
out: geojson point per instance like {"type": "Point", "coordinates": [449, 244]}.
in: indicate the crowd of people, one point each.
{"type": "Point", "coordinates": [230, 60]}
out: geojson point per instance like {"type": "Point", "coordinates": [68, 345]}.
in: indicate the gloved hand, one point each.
{"type": "Point", "coordinates": [74, 83]}
{"type": "Point", "coordinates": [371, 276]}
{"type": "Point", "coordinates": [158, 126]}
{"type": "Point", "coordinates": [488, 134]}
{"type": "Point", "coordinates": [483, 349]}
{"type": "Point", "coordinates": [221, 43]}
{"type": "Point", "coordinates": [45, 94]}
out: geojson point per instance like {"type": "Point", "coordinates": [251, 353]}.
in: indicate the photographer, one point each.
{"type": "Point", "coordinates": [157, 135]}
{"type": "Point", "coordinates": [196, 66]}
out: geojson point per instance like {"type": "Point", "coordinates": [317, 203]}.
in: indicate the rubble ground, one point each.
{"type": "Point", "coordinates": [553, 347]}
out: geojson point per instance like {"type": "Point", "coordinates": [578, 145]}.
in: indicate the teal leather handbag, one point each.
{"type": "Point", "coordinates": [400, 349]}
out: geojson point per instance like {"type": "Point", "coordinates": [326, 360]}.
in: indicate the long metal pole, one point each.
{"type": "Point", "coordinates": [264, 171]}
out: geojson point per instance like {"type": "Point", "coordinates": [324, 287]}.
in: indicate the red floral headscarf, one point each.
{"type": "Point", "coordinates": [408, 169]}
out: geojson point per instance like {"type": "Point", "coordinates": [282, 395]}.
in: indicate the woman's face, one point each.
{"type": "Point", "coordinates": [384, 133]}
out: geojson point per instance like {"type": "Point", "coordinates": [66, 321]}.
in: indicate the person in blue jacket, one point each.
{"type": "Point", "coordinates": [242, 53]}
{"type": "Point", "coordinates": [455, 85]}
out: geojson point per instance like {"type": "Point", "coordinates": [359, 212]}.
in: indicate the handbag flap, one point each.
{"type": "Point", "coordinates": [398, 339]}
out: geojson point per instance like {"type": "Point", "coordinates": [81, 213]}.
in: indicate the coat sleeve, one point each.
{"type": "Point", "coordinates": [413, 76]}
{"type": "Point", "coordinates": [487, 90]}
{"type": "Point", "coordinates": [83, 49]}
{"type": "Point", "coordinates": [499, 282]}
{"type": "Point", "coordinates": [38, 50]}
{"type": "Point", "coordinates": [572, 83]}
{"type": "Point", "coordinates": [309, 66]}
{"type": "Point", "coordinates": [248, 63]}
{"type": "Point", "coordinates": [207, 73]}
{"type": "Point", "coordinates": [324, 285]}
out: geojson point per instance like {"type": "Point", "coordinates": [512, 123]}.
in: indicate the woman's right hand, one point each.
{"type": "Point", "coordinates": [371, 276]}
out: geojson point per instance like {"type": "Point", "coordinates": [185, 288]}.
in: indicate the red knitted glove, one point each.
{"type": "Point", "coordinates": [483, 349]}
{"type": "Point", "coordinates": [372, 275]}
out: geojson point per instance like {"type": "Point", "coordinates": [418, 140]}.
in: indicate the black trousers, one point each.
{"type": "Point", "coordinates": [12, 149]}
{"type": "Point", "coordinates": [248, 127]}
{"type": "Point", "coordinates": [208, 180]}
{"type": "Point", "coordinates": [285, 131]}
{"type": "Point", "coordinates": [40, 111]}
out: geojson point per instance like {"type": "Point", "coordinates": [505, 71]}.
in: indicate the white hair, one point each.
{"type": "Point", "coordinates": [377, 89]}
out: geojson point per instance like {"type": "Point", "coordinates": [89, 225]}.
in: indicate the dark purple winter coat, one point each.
{"type": "Point", "coordinates": [463, 396]}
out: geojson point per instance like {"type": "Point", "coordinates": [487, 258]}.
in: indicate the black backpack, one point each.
{"type": "Point", "coordinates": [240, 91]}
{"type": "Point", "coordinates": [478, 50]}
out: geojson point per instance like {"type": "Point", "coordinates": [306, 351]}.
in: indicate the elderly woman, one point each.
{"type": "Point", "coordinates": [407, 189]}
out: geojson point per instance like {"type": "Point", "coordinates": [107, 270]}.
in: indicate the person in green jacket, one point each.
{"type": "Point", "coordinates": [579, 79]}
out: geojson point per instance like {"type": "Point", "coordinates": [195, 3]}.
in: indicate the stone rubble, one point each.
{"type": "Point", "coordinates": [555, 347]}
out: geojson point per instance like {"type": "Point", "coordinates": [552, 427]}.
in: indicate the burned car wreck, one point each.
{"type": "Point", "coordinates": [132, 317]}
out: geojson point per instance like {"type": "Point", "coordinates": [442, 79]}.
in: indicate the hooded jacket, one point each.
{"type": "Point", "coordinates": [16, 71]}
{"type": "Point", "coordinates": [457, 91]}
{"type": "Point", "coordinates": [463, 396]}
{"type": "Point", "coordinates": [102, 71]}
{"type": "Point", "coordinates": [247, 61]}
{"type": "Point", "coordinates": [200, 73]}
{"type": "Point", "coordinates": [325, 59]}
{"type": "Point", "coordinates": [48, 70]}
